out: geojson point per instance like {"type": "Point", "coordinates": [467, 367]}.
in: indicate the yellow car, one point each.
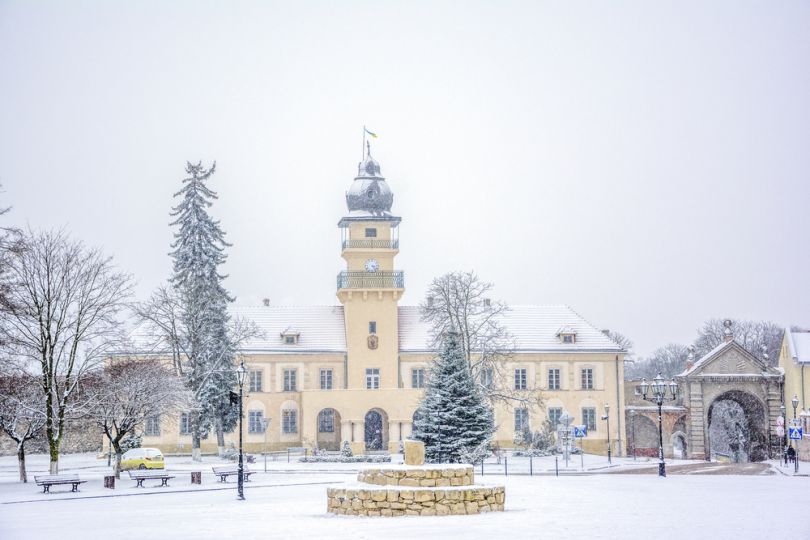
{"type": "Point", "coordinates": [142, 458]}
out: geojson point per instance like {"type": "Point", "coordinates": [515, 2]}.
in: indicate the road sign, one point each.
{"type": "Point", "coordinates": [794, 433]}
{"type": "Point", "coordinates": [780, 431]}
{"type": "Point", "coordinates": [780, 421]}
{"type": "Point", "coordinates": [580, 431]}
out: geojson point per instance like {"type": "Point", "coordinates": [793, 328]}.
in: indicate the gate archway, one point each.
{"type": "Point", "coordinates": [376, 429]}
{"type": "Point", "coordinates": [737, 427]}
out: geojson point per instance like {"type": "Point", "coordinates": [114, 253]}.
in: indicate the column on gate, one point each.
{"type": "Point", "coordinates": [345, 431]}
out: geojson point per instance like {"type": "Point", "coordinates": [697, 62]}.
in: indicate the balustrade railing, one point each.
{"type": "Point", "coordinates": [370, 243]}
{"type": "Point", "coordinates": [371, 280]}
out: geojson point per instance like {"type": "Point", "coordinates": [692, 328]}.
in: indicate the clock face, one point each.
{"type": "Point", "coordinates": [372, 265]}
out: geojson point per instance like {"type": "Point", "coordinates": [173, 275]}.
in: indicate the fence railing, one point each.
{"type": "Point", "coordinates": [371, 280]}
{"type": "Point", "coordinates": [370, 243]}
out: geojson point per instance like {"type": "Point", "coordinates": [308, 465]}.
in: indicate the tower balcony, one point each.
{"type": "Point", "coordinates": [371, 280]}
{"type": "Point", "coordinates": [371, 243]}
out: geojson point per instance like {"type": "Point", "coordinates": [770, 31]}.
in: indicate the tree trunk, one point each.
{"type": "Point", "coordinates": [21, 461]}
{"type": "Point", "coordinates": [196, 453]}
{"type": "Point", "coordinates": [53, 450]}
{"type": "Point", "coordinates": [220, 438]}
{"type": "Point", "coordinates": [116, 444]}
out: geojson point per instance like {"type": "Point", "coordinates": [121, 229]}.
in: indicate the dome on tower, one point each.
{"type": "Point", "coordinates": [369, 194]}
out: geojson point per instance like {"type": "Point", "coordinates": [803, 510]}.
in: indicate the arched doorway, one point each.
{"type": "Point", "coordinates": [376, 430]}
{"type": "Point", "coordinates": [737, 428]}
{"type": "Point", "coordinates": [328, 437]}
{"type": "Point", "coordinates": [646, 436]}
{"type": "Point", "coordinates": [679, 445]}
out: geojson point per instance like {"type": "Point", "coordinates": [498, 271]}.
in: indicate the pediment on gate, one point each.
{"type": "Point", "coordinates": [730, 359]}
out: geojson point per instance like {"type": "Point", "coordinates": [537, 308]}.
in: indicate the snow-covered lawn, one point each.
{"type": "Point", "coordinates": [290, 502]}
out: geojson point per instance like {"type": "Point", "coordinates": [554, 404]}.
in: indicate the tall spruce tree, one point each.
{"type": "Point", "coordinates": [198, 252]}
{"type": "Point", "coordinates": [454, 418]}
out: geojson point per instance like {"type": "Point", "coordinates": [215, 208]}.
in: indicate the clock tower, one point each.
{"type": "Point", "coordinates": [370, 287]}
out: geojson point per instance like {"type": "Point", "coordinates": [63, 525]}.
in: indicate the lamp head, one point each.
{"type": "Point", "coordinates": [241, 373]}
{"type": "Point", "coordinates": [795, 401]}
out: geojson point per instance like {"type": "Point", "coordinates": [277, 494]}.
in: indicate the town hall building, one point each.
{"type": "Point", "coordinates": [356, 371]}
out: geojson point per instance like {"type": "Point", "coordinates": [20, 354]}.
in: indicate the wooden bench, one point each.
{"type": "Point", "coordinates": [48, 480]}
{"type": "Point", "coordinates": [231, 470]}
{"type": "Point", "coordinates": [140, 475]}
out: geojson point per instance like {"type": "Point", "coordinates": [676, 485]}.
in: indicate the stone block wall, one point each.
{"type": "Point", "coordinates": [415, 502]}
{"type": "Point", "coordinates": [455, 476]}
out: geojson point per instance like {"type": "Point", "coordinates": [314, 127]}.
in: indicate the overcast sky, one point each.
{"type": "Point", "coordinates": [644, 162]}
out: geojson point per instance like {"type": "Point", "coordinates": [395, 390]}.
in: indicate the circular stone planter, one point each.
{"type": "Point", "coordinates": [425, 490]}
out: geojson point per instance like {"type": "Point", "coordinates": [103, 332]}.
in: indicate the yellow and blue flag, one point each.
{"type": "Point", "coordinates": [373, 135]}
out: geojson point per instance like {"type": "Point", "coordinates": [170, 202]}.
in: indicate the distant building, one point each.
{"type": "Point", "coordinates": [356, 371]}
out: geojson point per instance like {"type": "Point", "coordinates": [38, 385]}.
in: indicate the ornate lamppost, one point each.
{"type": "Point", "coordinates": [607, 417]}
{"type": "Point", "coordinates": [241, 372]}
{"type": "Point", "coordinates": [659, 396]}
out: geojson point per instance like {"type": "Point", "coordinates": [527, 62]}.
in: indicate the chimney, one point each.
{"type": "Point", "coordinates": [690, 358]}
{"type": "Point", "coordinates": [606, 332]}
{"type": "Point", "coordinates": [266, 302]}
{"type": "Point", "coordinates": [487, 302]}
{"type": "Point", "coordinates": [728, 335]}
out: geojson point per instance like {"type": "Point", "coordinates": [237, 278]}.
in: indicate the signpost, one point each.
{"type": "Point", "coordinates": [795, 433]}
{"type": "Point", "coordinates": [581, 432]}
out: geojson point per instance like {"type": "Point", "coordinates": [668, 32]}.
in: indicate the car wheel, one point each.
{"type": "Point", "coordinates": [142, 466]}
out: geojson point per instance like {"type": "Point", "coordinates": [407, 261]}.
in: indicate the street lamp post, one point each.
{"type": "Point", "coordinates": [795, 403]}
{"type": "Point", "coordinates": [607, 417]}
{"type": "Point", "coordinates": [633, 432]}
{"type": "Point", "coordinates": [241, 372]}
{"type": "Point", "coordinates": [659, 395]}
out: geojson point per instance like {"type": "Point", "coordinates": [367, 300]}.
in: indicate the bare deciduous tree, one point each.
{"type": "Point", "coordinates": [758, 337]}
{"type": "Point", "coordinates": [163, 331]}
{"type": "Point", "coordinates": [462, 301]}
{"type": "Point", "coordinates": [62, 317]}
{"type": "Point", "coordinates": [129, 392]}
{"type": "Point", "coordinates": [22, 416]}
{"type": "Point", "coordinates": [668, 360]}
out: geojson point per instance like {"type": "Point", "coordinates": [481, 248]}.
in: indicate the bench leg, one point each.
{"type": "Point", "coordinates": [164, 482]}
{"type": "Point", "coordinates": [75, 488]}
{"type": "Point", "coordinates": [46, 488]}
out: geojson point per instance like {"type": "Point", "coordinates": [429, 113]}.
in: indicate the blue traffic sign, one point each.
{"type": "Point", "coordinates": [580, 431]}
{"type": "Point", "coordinates": [795, 433]}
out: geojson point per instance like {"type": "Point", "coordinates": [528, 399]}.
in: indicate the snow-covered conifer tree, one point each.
{"type": "Point", "coordinates": [454, 417]}
{"type": "Point", "coordinates": [198, 252]}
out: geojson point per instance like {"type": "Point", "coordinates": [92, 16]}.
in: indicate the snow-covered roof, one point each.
{"type": "Point", "coordinates": [799, 346]}
{"type": "Point", "coordinates": [706, 357]}
{"type": "Point", "coordinates": [534, 328]}
{"type": "Point", "coordinates": [320, 328]}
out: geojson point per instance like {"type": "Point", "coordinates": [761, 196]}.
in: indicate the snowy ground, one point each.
{"type": "Point", "coordinates": [290, 502]}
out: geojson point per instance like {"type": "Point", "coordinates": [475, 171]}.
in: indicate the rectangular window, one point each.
{"type": "Point", "coordinates": [589, 418]}
{"type": "Point", "coordinates": [418, 378]}
{"type": "Point", "coordinates": [554, 379]}
{"type": "Point", "coordinates": [255, 422]}
{"type": "Point", "coordinates": [289, 421]}
{"type": "Point", "coordinates": [372, 378]}
{"type": "Point", "coordinates": [587, 379]}
{"type": "Point", "coordinates": [289, 380]}
{"type": "Point", "coordinates": [372, 327]}
{"type": "Point", "coordinates": [487, 377]}
{"type": "Point", "coordinates": [568, 338]}
{"type": "Point", "coordinates": [521, 420]}
{"type": "Point", "coordinates": [255, 380]}
{"type": "Point", "coordinates": [371, 232]}
{"type": "Point", "coordinates": [185, 424]}
{"type": "Point", "coordinates": [152, 428]}
{"type": "Point", "coordinates": [289, 340]}
{"type": "Point", "coordinates": [326, 421]}
{"type": "Point", "coordinates": [520, 379]}
{"type": "Point", "coordinates": [326, 379]}
{"type": "Point", "coordinates": [554, 415]}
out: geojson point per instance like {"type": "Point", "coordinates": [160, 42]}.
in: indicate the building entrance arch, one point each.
{"type": "Point", "coordinates": [376, 429]}
{"type": "Point", "coordinates": [738, 427]}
